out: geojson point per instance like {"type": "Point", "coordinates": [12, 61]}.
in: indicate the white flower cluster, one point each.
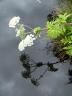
{"type": "Point", "coordinates": [14, 21]}
{"type": "Point", "coordinates": [28, 41]}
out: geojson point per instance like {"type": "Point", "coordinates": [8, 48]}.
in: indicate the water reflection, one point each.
{"type": "Point", "coordinates": [70, 74]}
{"type": "Point", "coordinates": [11, 82]}
{"type": "Point", "coordinates": [32, 66]}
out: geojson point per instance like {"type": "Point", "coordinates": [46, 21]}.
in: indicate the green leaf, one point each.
{"type": "Point", "coordinates": [68, 47]}
{"type": "Point", "coordinates": [68, 50]}
{"type": "Point", "coordinates": [55, 29]}
{"type": "Point", "coordinates": [63, 17]}
{"type": "Point", "coordinates": [37, 30]}
{"type": "Point", "coordinates": [67, 40]}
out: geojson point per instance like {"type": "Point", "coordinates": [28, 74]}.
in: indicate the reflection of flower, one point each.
{"type": "Point", "coordinates": [25, 74]}
{"type": "Point", "coordinates": [28, 41]}
{"type": "Point", "coordinates": [24, 57]}
{"type": "Point", "coordinates": [14, 21]}
{"type": "Point", "coordinates": [34, 82]}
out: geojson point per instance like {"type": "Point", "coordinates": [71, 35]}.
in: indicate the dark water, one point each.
{"type": "Point", "coordinates": [11, 81]}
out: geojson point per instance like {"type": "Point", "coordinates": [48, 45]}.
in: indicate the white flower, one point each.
{"type": "Point", "coordinates": [21, 46]}
{"type": "Point", "coordinates": [28, 41]}
{"type": "Point", "coordinates": [14, 21]}
{"type": "Point", "coordinates": [32, 36]}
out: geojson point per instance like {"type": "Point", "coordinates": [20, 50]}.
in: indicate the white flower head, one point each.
{"type": "Point", "coordinates": [21, 46]}
{"type": "Point", "coordinates": [28, 41]}
{"type": "Point", "coordinates": [14, 21]}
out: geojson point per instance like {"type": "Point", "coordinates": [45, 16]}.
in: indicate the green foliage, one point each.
{"type": "Point", "coordinates": [63, 18]}
{"type": "Point", "coordinates": [22, 34]}
{"type": "Point", "coordinates": [67, 43]}
{"type": "Point", "coordinates": [67, 40]}
{"type": "Point", "coordinates": [37, 30]}
{"type": "Point", "coordinates": [68, 30]}
{"type": "Point", "coordinates": [61, 32]}
{"type": "Point", "coordinates": [68, 50]}
{"type": "Point", "coordinates": [57, 28]}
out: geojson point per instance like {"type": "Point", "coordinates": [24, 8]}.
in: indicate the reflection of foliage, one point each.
{"type": "Point", "coordinates": [24, 58]}
{"type": "Point", "coordinates": [33, 66]}
{"type": "Point", "coordinates": [25, 61]}
{"type": "Point", "coordinates": [59, 52]}
{"type": "Point", "coordinates": [52, 16]}
{"type": "Point", "coordinates": [51, 68]}
{"type": "Point", "coordinates": [30, 68]}
{"type": "Point", "coordinates": [39, 64]}
{"type": "Point", "coordinates": [34, 82]}
{"type": "Point", "coordinates": [25, 74]}
{"type": "Point", "coordinates": [70, 74]}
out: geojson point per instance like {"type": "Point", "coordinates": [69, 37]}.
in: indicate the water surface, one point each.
{"type": "Point", "coordinates": [11, 81]}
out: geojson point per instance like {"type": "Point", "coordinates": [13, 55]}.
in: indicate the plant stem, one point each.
{"type": "Point", "coordinates": [28, 27]}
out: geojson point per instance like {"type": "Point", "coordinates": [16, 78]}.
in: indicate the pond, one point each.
{"type": "Point", "coordinates": [32, 13]}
